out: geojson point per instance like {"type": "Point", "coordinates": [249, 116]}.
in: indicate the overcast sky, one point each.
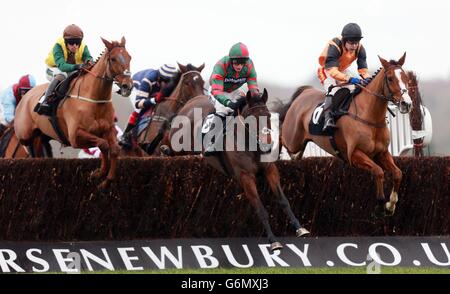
{"type": "Point", "coordinates": [284, 37]}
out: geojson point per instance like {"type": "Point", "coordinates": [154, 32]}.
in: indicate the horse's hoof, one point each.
{"type": "Point", "coordinates": [275, 246]}
{"type": "Point", "coordinates": [165, 150]}
{"type": "Point", "coordinates": [104, 186]}
{"type": "Point", "coordinates": [380, 212]}
{"type": "Point", "coordinates": [96, 175]}
{"type": "Point", "coordinates": [301, 232]}
{"type": "Point", "coordinates": [389, 209]}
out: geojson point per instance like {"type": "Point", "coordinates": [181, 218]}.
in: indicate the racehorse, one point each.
{"type": "Point", "coordinates": [190, 85]}
{"type": "Point", "coordinates": [10, 146]}
{"type": "Point", "coordinates": [362, 136]}
{"type": "Point", "coordinates": [243, 166]}
{"type": "Point", "coordinates": [85, 117]}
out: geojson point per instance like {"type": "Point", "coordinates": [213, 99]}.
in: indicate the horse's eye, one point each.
{"type": "Point", "coordinates": [390, 79]}
{"type": "Point", "coordinates": [113, 59]}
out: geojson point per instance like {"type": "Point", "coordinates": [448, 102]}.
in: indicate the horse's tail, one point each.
{"type": "Point", "coordinates": [284, 108]}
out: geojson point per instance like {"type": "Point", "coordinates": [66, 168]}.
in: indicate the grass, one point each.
{"type": "Point", "coordinates": [349, 270]}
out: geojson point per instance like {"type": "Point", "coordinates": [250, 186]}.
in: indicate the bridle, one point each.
{"type": "Point", "coordinates": [389, 97]}
{"type": "Point", "coordinates": [264, 147]}
{"type": "Point", "coordinates": [108, 76]}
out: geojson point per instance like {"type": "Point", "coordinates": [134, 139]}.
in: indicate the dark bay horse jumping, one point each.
{"type": "Point", "coordinates": [86, 115]}
{"type": "Point", "coordinates": [362, 136]}
{"type": "Point", "coordinates": [190, 85]}
{"type": "Point", "coordinates": [243, 166]}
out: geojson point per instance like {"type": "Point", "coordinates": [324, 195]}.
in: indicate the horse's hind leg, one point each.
{"type": "Point", "coordinates": [361, 160]}
{"type": "Point", "coordinates": [273, 178]}
{"type": "Point", "coordinates": [248, 183]}
{"type": "Point", "coordinates": [387, 163]}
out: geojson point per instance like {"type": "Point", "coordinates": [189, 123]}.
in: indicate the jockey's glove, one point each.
{"type": "Point", "coordinates": [149, 102]}
{"type": "Point", "coordinates": [232, 105]}
{"type": "Point", "coordinates": [354, 81]}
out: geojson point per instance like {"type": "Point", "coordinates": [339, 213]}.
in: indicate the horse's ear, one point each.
{"type": "Point", "coordinates": [183, 68]}
{"type": "Point", "coordinates": [248, 97]}
{"type": "Point", "coordinates": [201, 67]}
{"type": "Point", "coordinates": [122, 42]}
{"type": "Point", "coordinates": [401, 61]}
{"type": "Point", "coordinates": [107, 43]}
{"type": "Point", "coordinates": [264, 96]}
{"type": "Point", "coordinates": [384, 62]}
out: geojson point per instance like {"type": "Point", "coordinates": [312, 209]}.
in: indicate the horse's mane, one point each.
{"type": "Point", "coordinates": [174, 87]}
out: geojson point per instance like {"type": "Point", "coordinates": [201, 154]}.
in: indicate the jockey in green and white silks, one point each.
{"type": "Point", "coordinates": [232, 76]}
{"type": "Point", "coordinates": [228, 79]}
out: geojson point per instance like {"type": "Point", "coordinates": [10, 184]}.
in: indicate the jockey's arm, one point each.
{"type": "Point", "coordinates": [216, 81]}
{"type": "Point", "coordinates": [252, 81]}
{"type": "Point", "coordinates": [332, 65]}
{"type": "Point", "coordinates": [362, 63]}
{"type": "Point", "coordinates": [86, 57]}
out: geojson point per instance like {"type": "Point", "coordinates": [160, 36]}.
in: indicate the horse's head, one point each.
{"type": "Point", "coordinates": [191, 83]}
{"type": "Point", "coordinates": [396, 83]}
{"type": "Point", "coordinates": [118, 66]}
{"type": "Point", "coordinates": [256, 106]}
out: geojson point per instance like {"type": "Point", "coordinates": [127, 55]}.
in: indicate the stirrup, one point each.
{"type": "Point", "coordinates": [329, 124]}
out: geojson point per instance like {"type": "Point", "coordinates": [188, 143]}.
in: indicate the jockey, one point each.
{"type": "Point", "coordinates": [335, 60]}
{"type": "Point", "coordinates": [68, 54]}
{"type": "Point", "coordinates": [11, 96]}
{"type": "Point", "coordinates": [150, 87]}
{"type": "Point", "coordinates": [228, 79]}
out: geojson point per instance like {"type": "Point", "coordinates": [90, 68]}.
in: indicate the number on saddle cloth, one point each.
{"type": "Point", "coordinates": [207, 123]}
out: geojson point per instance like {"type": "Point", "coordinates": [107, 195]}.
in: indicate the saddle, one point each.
{"type": "Point", "coordinates": [341, 104]}
{"type": "Point", "coordinates": [64, 87]}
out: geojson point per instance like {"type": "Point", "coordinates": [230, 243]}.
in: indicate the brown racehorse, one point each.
{"type": "Point", "coordinates": [190, 85]}
{"type": "Point", "coordinates": [243, 166]}
{"type": "Point", "coordinates": [10, 146]}
{"type": "Point", "coordinates": [362, 136]}
{"type": "Point", "coordinates": [86, 115]}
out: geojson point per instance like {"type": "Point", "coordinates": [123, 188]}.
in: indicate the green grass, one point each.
{"type": "Point", "coordinates": [353, 270]}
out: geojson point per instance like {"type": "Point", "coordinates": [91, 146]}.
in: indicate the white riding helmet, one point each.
{"type": "Point", "coordinates": [167, 71]}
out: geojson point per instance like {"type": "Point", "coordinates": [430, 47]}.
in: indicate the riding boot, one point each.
{"type": "Point", "coordinates": [329, 119]}
{"type": "Point", "coordinates": [2, 129]}
{"type": "Point", "coordinates": [126, 138]}
{"type": "Point", "coordinates": [219, 133]}
{"type": "Point", "coordinates": [46, 106]}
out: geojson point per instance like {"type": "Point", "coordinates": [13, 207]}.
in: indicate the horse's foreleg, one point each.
{"type": "Point", "coordinates": [83, 136]}
{"type": "Point", "coordinates": [248, 183]}
{"type": "Point", "coordinates": [361, 160]}
{"type": "Point", "coordinates": [273, 179]}
{"type": "Point", "coordinates": [114, 150]}
{"type": "Point", "coordinates": [386, 161]}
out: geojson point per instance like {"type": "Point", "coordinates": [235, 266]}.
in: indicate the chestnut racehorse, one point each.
{"type": "Point", "coordinates": [362, 136]}
{"type": "Point", "coordinates": [86, 115]}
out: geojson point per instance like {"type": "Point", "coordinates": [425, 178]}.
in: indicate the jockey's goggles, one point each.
{"type": "Point", "coordinates": [239, 61]}
{"type": "Point", "coordinates": [76, 41]}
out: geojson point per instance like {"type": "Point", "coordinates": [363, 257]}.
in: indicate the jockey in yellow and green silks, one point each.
{"type": "Point", "coordinates": [67, 55]}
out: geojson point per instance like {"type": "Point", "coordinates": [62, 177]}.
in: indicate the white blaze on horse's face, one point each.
{"type": "Point", "coordinates": [405, 104]}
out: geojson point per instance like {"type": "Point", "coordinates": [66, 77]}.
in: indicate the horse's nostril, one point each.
{"type": "Point", "coordinates": [125, 87]}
